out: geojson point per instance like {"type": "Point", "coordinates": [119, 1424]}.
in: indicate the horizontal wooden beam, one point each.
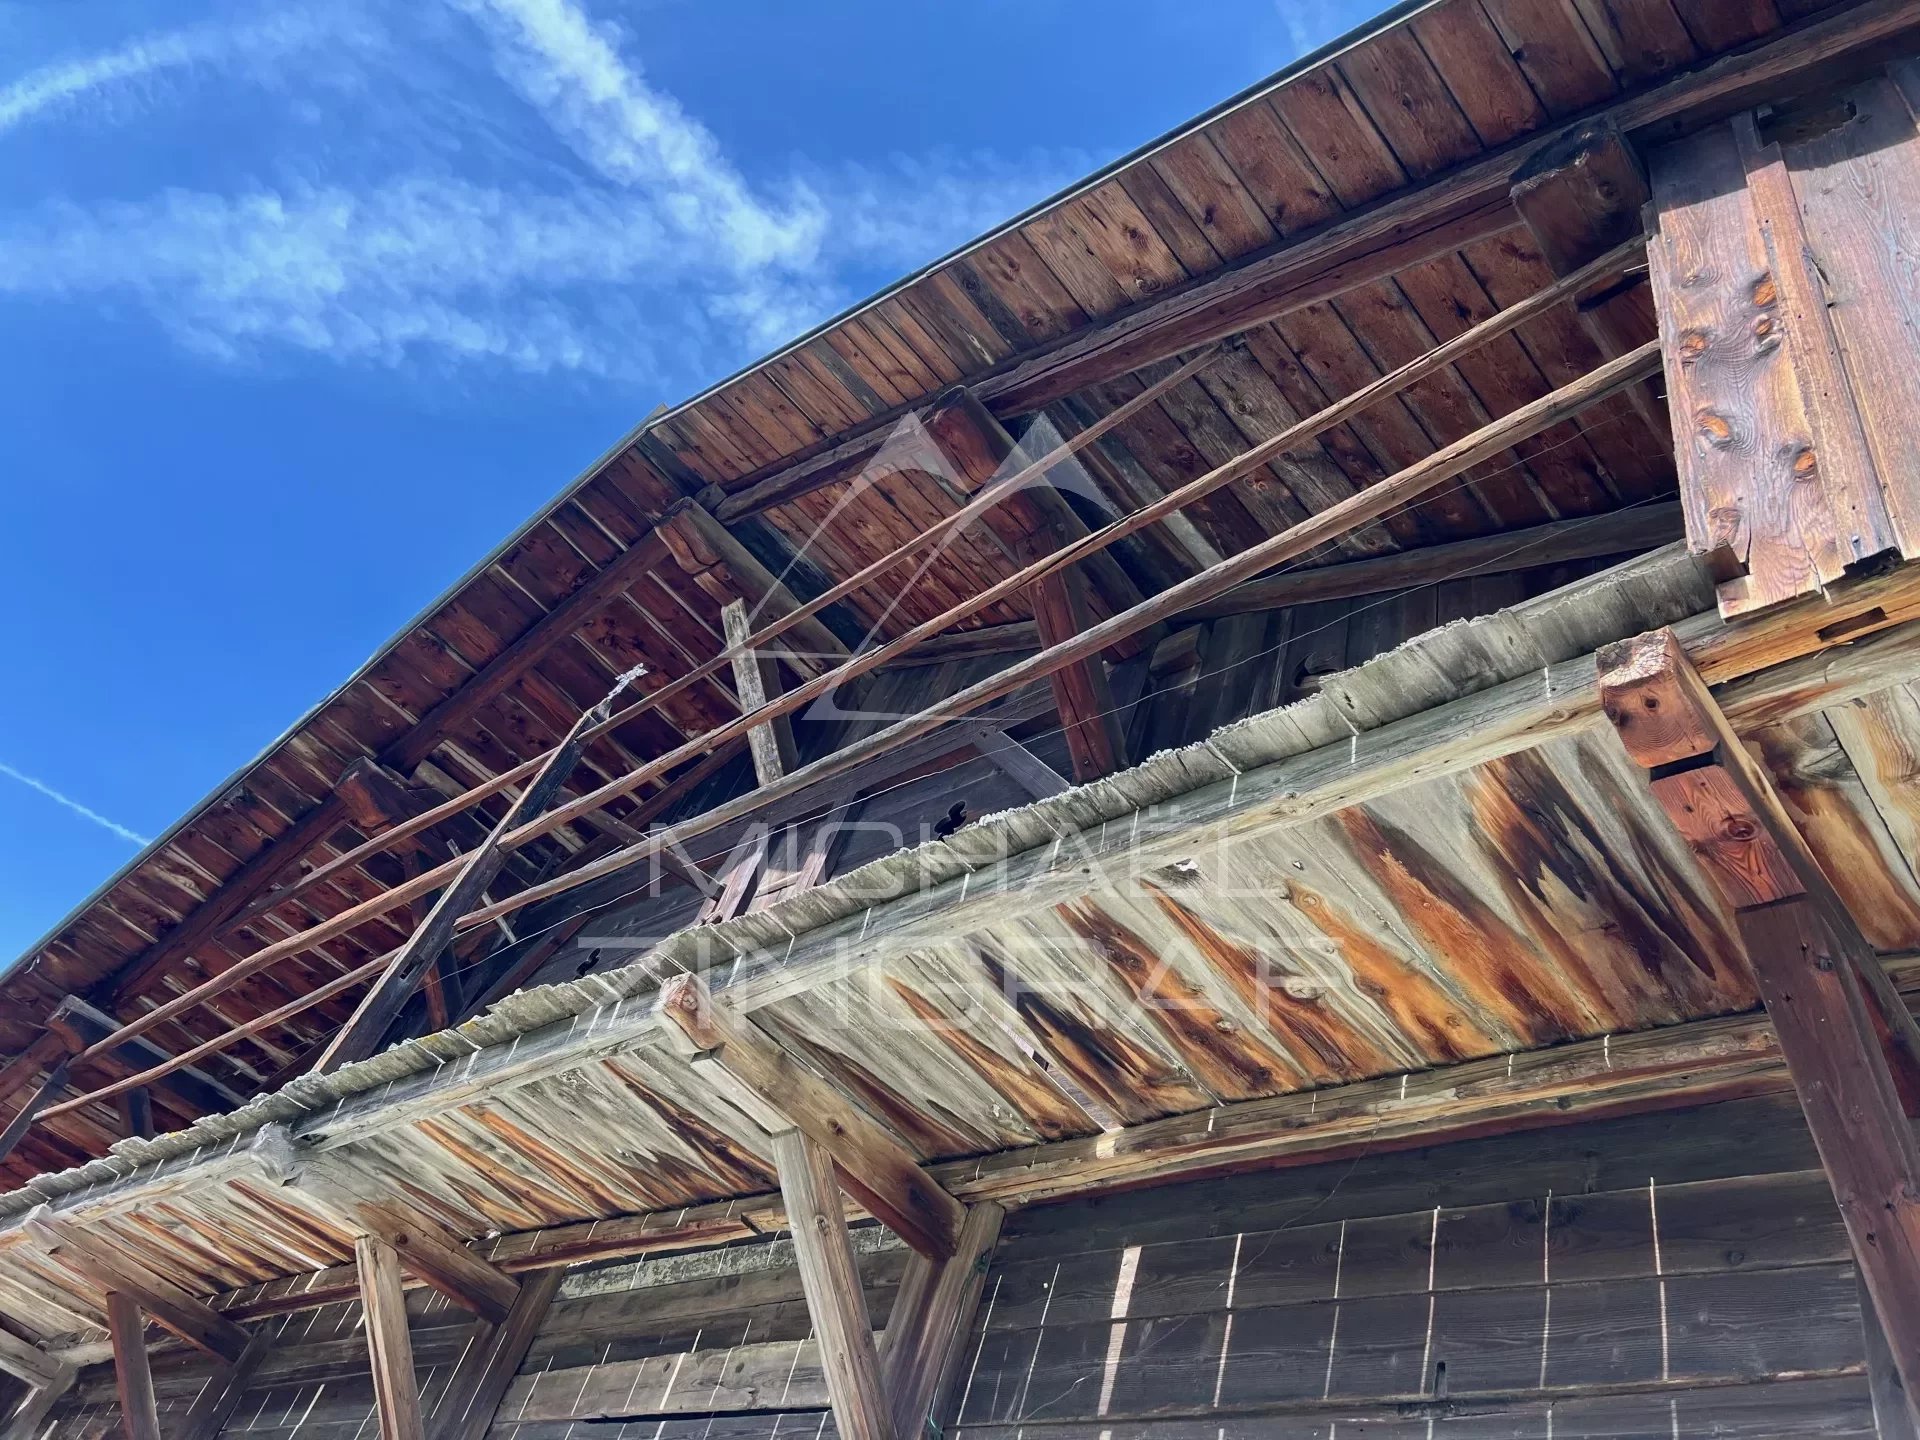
{"type": "Point", "coordinates": [1620, 532]}
{"type": "Point", "coordinates": [28, 1362]}
{"type": "Point", "coordinates": [777, 1092]}
{"type": "Point", "coordinates": [110, 1269]}
{"type": "Point", "coordinates": [359, 1205]}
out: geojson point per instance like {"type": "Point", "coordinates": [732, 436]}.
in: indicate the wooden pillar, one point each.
{"type": "Point", "coordinates": [389, 1348]}
{"type": "Point", "coordinates": [493, 1357]}
{"type": "Point", "coordinates": [127, 1328]}
{"type": "Point", "coordinates": [927, 1329]}
{"type": "Point", "coordinates": [832, 1285]}
{"type": "Point", "coordinates": [1087, 712]}
{"type": "Point", "coordinates": [757, 679]}
{"type": "Point", "coordinates": [1810, 962]}
{"type": "Point", "coordinates": [1579, 197]}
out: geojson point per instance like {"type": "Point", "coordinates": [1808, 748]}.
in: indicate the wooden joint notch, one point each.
{"type": "Point", "coordinates": [750, 1070]}
{"type": "Point", "coordinates": [340, 1196]}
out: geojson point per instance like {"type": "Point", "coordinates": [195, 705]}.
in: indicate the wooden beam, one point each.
{"type": "Point", "coordinates": [358, 1204]}
{"type": "Point", "coordinates": [1809, 960]}
{"type": "Point", "coordinates": [132, 1372]}
{"type": "Point", "coordinates": [220, 1396]}
{"type": "Point", "coordinates": [50, 1090]}
{"type": "Point", "coordinates": [832, 1285]}
{"type": "Point", "coordinates": [1018, 763]}
{"type": "Point", "coordinates": [382, 1004]}
{"type": "Point", "coordinates": [27, 1419]}
{"type": "Point", "coordinates": [396, 1389]}
{"type": "Point", "coordinates": [778, 1092]}
{"type": "Point", "coordinates": [99, 1262]}
{"type": "Point", "coordinates": [493, 1356]}
{"type": "Point", "coordinates": [1088, 716]}
{"type": "Point", "coordinates": [1619, 532]}
{"type": "Point", "coordinates": [1007, 639]}
{"type": "Point", "coordinates": [595, 594]}
{"type": "Point", "coordinates": [1895, 1416]}
{"type": "Point", "coordinates": [701, 543]}
{"type": "Point", "coordinates": [932, 1315]}
{"type": "Point", "coordinates": [85, 1027]}
{"type": "Point", "coordinates": [27, 1362]}
{"type": "Point", "coordinates": [1579, 197]}
{"type": "Point", "coordinates": [756, 676]}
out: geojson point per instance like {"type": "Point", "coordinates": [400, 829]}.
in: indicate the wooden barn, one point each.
{"type": "Point", "coordinates": [1282, 800]}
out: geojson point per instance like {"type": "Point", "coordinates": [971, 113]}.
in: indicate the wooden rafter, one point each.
{"type": "Point", "coordinates": [357, 1204]}
{"type": "Point", "coordinates": [109, 1269]}
{"type": "Point", "coordinates": [396, 1389]}
{"type": "Point", "coordinates": [1817, 975]}
{"type": "Point", "coordinates": [809, 1183]}
{"type": "Point", "coordinates": [777, 1092]}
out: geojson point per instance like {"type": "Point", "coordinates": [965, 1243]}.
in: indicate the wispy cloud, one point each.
{"type": "Point", "coordinates": [70, 84]}
{"type": "Point", "coordinates": [131, 836]}
{"type": "Point", "coordinates": [518, 263]}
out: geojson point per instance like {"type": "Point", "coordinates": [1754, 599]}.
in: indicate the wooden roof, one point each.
{"type": "Point", "coordinates": [1060, 317]}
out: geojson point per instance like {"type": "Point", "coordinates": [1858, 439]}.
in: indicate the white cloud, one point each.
{"type": "Point", "coordinates": [75, 806]}
{"type": "Point", "coordinates": [537, 267]}
{"type": "Point", "coordinates": [93, 79]}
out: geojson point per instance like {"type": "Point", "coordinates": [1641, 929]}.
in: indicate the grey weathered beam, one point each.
{"type": "Point", "coordinates": [467, 1406]}
{"type": "Point", "coordinates": [27, 1362]}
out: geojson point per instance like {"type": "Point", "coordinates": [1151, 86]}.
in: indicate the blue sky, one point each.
{"type": "Point", "coordinates": [304, 304]}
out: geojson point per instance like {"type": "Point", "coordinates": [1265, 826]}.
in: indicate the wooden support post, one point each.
{"type": "Point", "coordinates": [26, 1421]}
{"type": "Point", "coordinates": [757, 678]}
{"type": "Point", "coordinates": [1810, 962]}
{"type": "Point", "coordinates": [100, 1263]}
{"type": "Point", "coordinates": [132, 1374]}
{"type": "Point", "coordinates": [383, 1003]}
{"type": "Point", "coordinates": [779, 1093]}
{"type": "Point", "coordinates": [50, 1090]}
{"type": "Point", "coordinates": [491, 1360]}
{"type": "Point", "coordinates": [1580, 196]}
{"type": "Point", "coordinates": [1017, 763]}
{"type": "Point", "coordinates": [396, 1389]}
{"type": "Point", "coordinates": [931, 1315]}
{"type": "Point", "coordinates": [220, 1396]}
{"type": "Point", "coordinates": [28, 1362]}
{"type": "Point", "coordinates": [832, 1285]}
{"type": "Point", "coordinates": [1087, 712]}
{"type": "Point", "coordinates": [352, 1202]}
{"type": "Point", "coordinates": [136, 1112]}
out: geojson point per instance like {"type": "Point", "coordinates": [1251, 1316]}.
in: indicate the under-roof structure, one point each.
{"type": "Point", "coordinates": [1276, 801]}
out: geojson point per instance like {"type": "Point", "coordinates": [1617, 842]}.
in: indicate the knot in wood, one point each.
{"type": "Point", "coordinates": [1713, 427]}
{"type": "Point", "coordinates": [1765, 293]}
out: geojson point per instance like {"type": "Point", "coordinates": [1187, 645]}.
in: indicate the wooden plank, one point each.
{"type": "Point", "coordinates": [1579, 198]}
{"type": "Point", "coordinates": [220, 1396]}
{"type": "Point", "coordinates": [389, 1347]}
{"type": "Point", "coordinates": [28, 1362]}
{"type": "Point", "coordinates": [493, 1357]}
{"type": "Point", "coordinates": [757, 677]}
{"type": "Point", "coordinates": [106, 1266]}
{"type": "Point", "coordinates": [1080, 693]}
{"type": "Point", "coordinates": [27, 1420]}
{"type": "Point", "coordinates": [1018, 763]}
{"type": "Point", "coordinates": [361, 1205]}
{"type": "Point", "coordinates": [132, 1373]}
{"type": "Point", "coordinates": [1748, 444]}
{"type": "Point", "coordinates": [382, 1004]}
{"type": "Point", "coordinates": [780, 1093]}
{"type": "Point", "coordinates": [1619, 532]}
{"type": "Point", "coordinates": [931, 1320]}
{"type": "Point", "coordinates": [1895, 1416]}
{"type": "Point", "coordinates": [1810, 962]}
{"type": "Point", "coordinates": [832, 1283]}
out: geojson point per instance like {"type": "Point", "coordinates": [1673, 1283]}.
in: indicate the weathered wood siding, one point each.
{"type": "Point", "coordinates": [1671, 1274]}
{"type": "Point", "coordinates": [1668, 1275]}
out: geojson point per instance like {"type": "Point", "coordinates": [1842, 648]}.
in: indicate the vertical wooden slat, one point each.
{"type": "Point", "coordinates": [1080, 690]}
{"type": "Point", "coordinates": [389, 1347]}
{"type": "Point", "coordinates": [132, 1376]}
{"type": "Point", "coordinates": [757, 678]}
{"type": "Point", "coordinates": [832, 1285]}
